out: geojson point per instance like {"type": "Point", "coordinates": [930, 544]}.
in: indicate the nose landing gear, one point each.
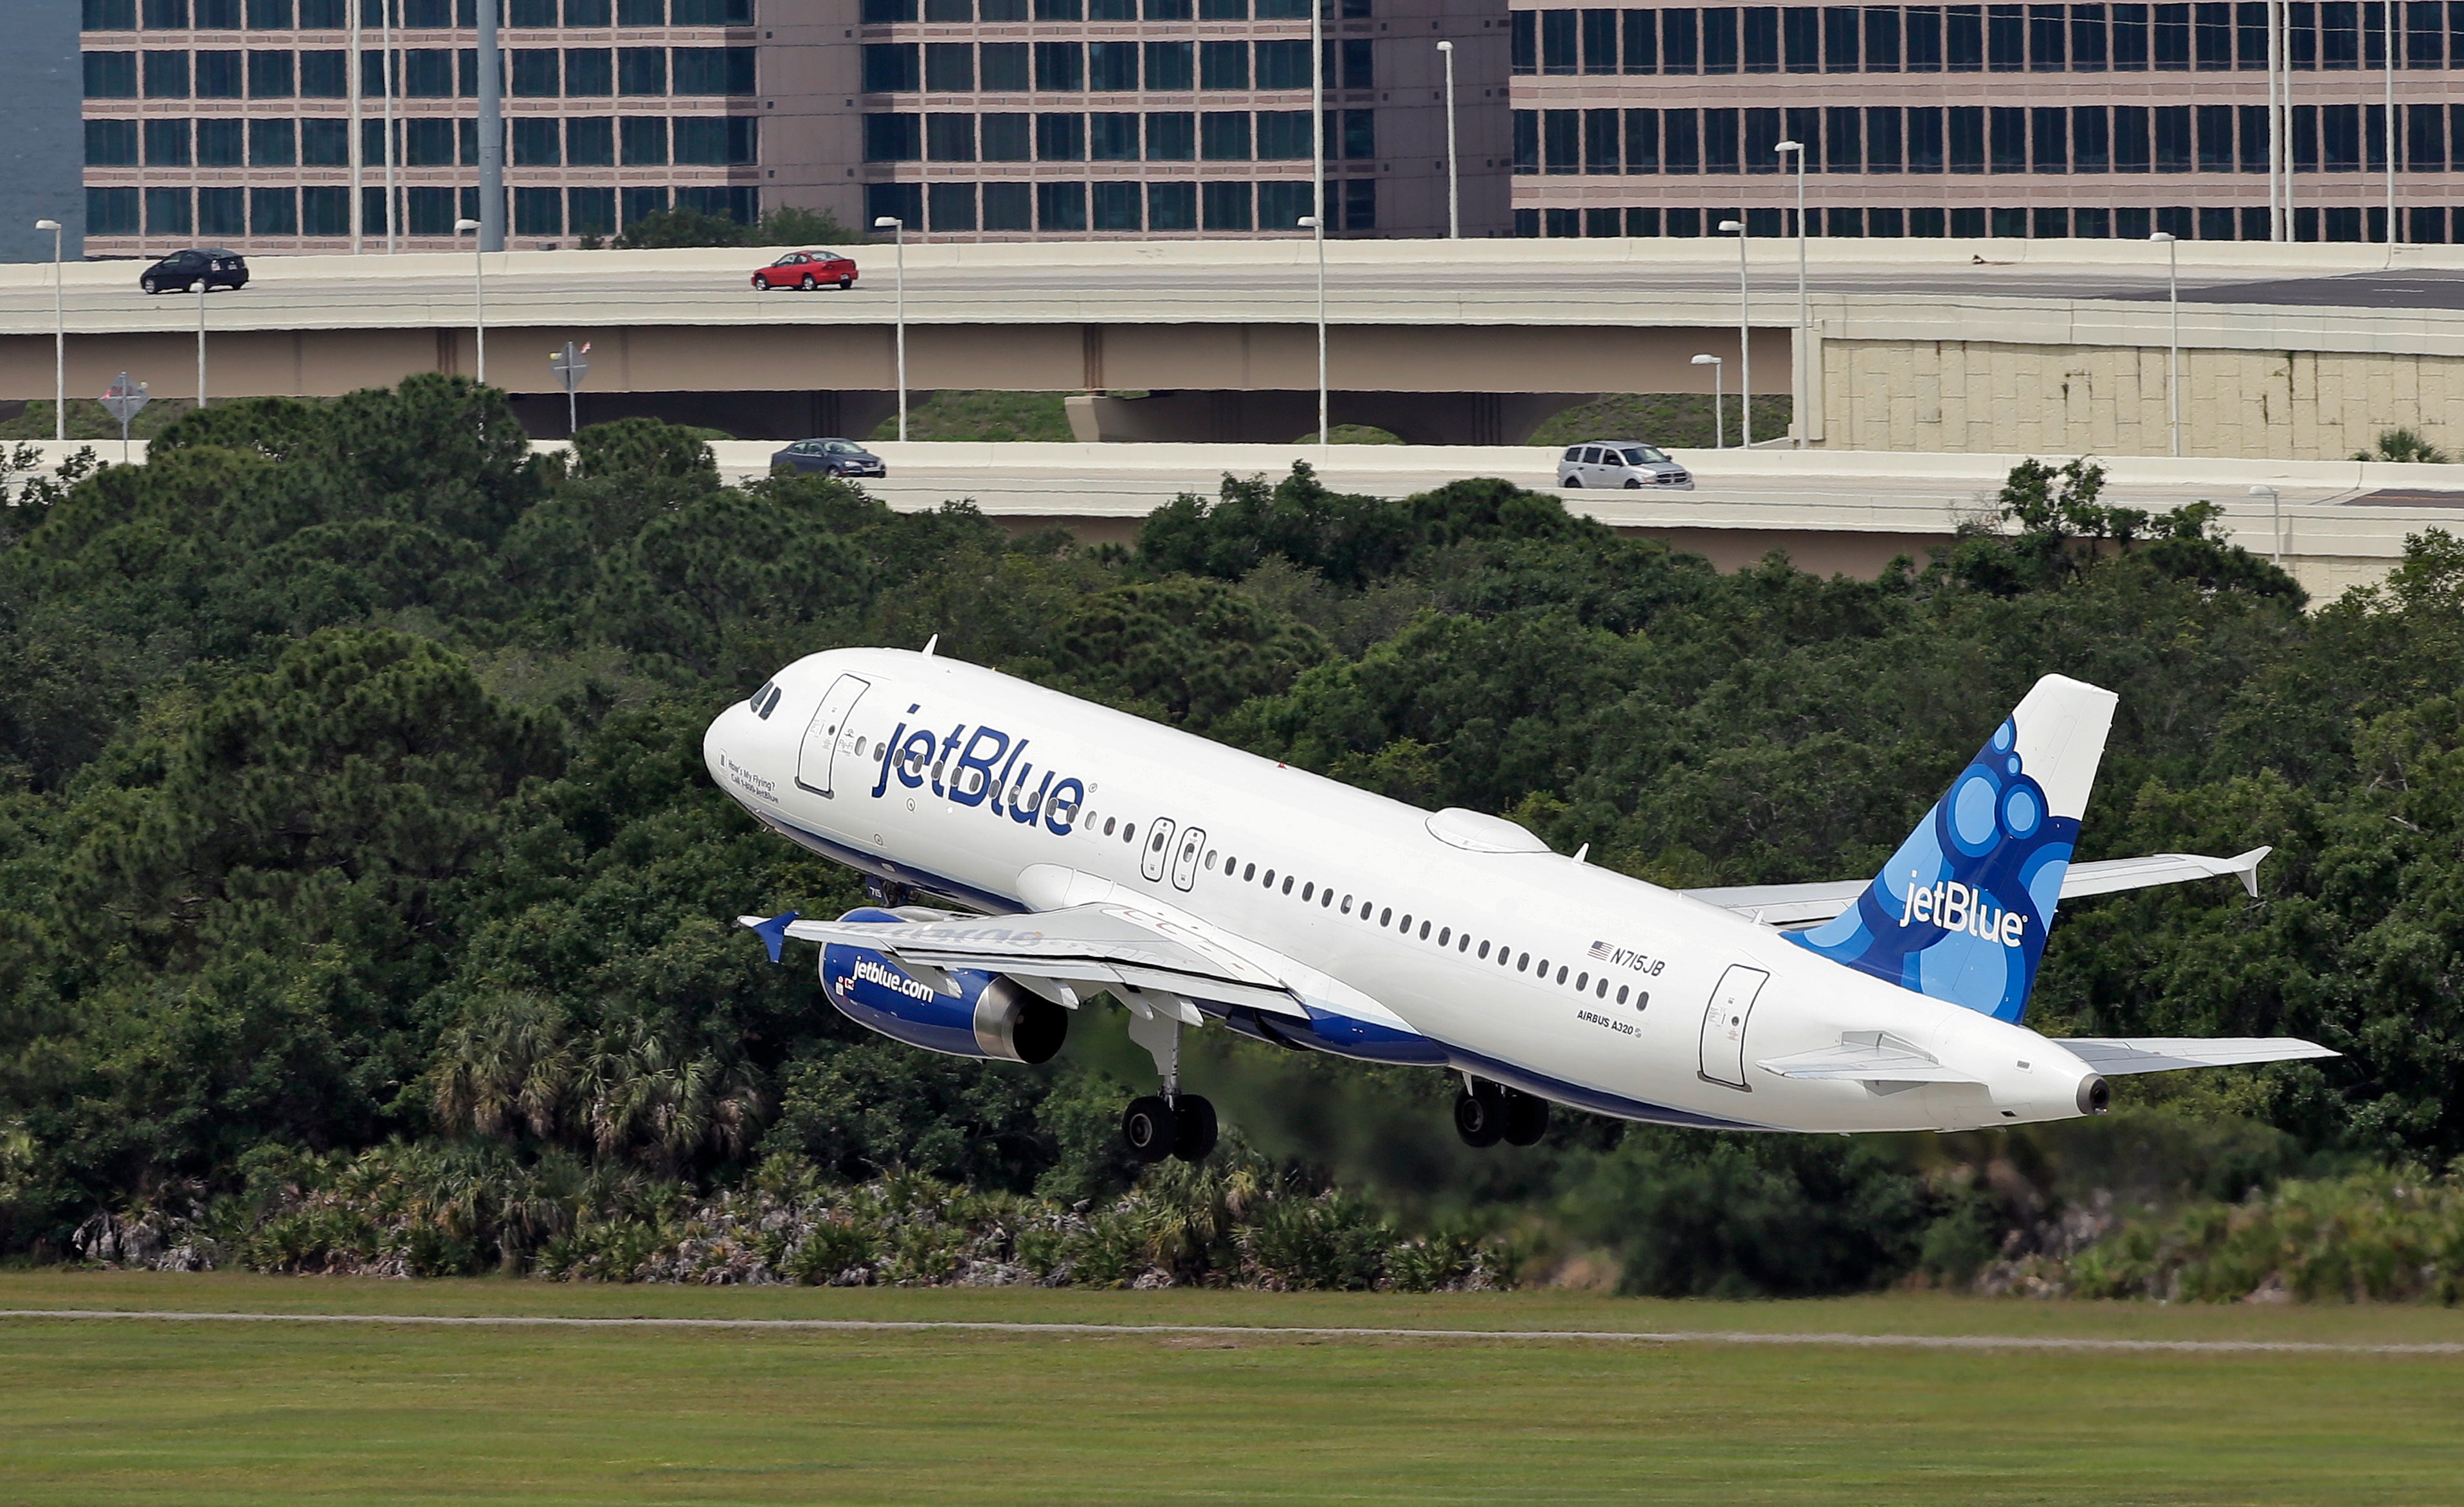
{"type": "Point", "coordinates": [1489, 1113]}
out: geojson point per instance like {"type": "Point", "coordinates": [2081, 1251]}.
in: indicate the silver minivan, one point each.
{"type": "Point", "coordinates": [1620, 463]}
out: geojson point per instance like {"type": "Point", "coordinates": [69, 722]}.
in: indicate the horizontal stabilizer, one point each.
{"type": "Point", "coordinates": [2116, 1055]}
{"type": "Point", "coordinates": [1793, 905]}
{"type": "Point", "coordinates": [1868, 1056]}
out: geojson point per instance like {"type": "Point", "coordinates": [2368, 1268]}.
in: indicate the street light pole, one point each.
{"type": "Point", "coordinates": [200, 344]}
{"type": "Point", "coordinates": [1719, 438]}
{"type": "Point", "coordinates": [2173, 354]}
{"type": "Point", "coordinates": [1316, 223]}
{"type": "Point", "coordinates": [1745, 341]}
{"type": "Point", "coordinates": [59, 336]}
{"type": "Point", "coordinates": [2387, 25]}
{"type": "Point", "coordinates": [1800, 377]}
{"type": "Point", "coordinates": [479, 289]}
{"type": "Point", "coordinates": [893, 223]}
{"type": "Point", "coordinates": [1454, 199]}
{"type": "Point", "coordinates": [491, 131]}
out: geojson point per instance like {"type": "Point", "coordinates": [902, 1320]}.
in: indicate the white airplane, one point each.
{"type": "Point", "coordinates": [1197, 884]}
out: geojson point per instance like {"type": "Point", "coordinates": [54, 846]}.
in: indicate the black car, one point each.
{"type": "Point", "coordinates": [829, 457]}
{"type": "Point", "coordinates": [182, 271]}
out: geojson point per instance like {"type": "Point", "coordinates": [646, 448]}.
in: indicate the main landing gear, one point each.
{"type": "Point", "coordinates": [1155, 1129]}
{"type": "Point", "coordinates": [1169, 1123]}
{"type": "Point", "coordinates": [1488, 1113]}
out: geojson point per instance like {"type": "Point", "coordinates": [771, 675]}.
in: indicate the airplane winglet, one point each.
{"type": "Point", "coordinates": [772, 932]}
{"type": "Point", "coordinates": [2245, 866]}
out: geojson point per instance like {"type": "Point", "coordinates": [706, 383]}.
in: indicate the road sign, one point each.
{"type": "Point", "coordinates": [570, 365]}
{"type": "Point", "coordinates": [124, 400]}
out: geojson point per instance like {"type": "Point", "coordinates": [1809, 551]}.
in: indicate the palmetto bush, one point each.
{"type": "Point", "coordinates": [2381, 1236]}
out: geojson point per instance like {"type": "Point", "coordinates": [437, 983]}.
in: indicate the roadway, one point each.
{"type": "Point", "coordinates": [1486, 283]}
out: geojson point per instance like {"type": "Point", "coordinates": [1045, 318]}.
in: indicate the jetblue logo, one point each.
{"type": "Point", "coordinates": [1954, 906]}
{"type": "Point", "coordinates": [985, 767]}
{"type": "Point", "coordinates": [867, 971]}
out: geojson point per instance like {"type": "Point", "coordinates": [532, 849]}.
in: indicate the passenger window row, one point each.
{"type": "Point", "coordinates": [1383, 917]}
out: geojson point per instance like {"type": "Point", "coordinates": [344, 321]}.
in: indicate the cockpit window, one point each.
{"type": "Point", "coordinates": [766, 700]}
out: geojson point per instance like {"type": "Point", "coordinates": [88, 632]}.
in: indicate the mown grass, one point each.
{"type": "Point", "coordinates": [122, 1410]}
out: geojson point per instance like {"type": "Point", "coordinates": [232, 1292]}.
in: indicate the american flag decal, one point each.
{"type": "Point", "coordinates": [1600, 949]}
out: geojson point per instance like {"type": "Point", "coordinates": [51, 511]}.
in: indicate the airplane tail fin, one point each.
{"type": "Point", "coordinates": [1960, 911]}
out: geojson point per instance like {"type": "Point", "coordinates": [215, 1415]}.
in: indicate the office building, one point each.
{"type": "Point", "coordinates": [1999, 119]}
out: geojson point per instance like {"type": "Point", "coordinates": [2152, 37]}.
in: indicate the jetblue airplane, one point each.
{"type": "Point", "coordinates": [1093, 853]}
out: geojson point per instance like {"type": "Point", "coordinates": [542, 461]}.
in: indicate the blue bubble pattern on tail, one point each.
{"type": "Point", "coordinates": [1960, 912]}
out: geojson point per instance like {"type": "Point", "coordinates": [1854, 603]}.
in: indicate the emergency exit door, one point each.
{"type": "Point", "coordinates": [1723, 1024]}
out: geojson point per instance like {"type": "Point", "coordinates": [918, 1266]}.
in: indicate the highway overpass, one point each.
{"type": "Point", "coordinates": [2296, 352]}
{"type": "Point", "coordinates": [2332, 523]}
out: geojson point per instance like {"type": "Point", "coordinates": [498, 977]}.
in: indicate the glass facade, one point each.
{"type": "Point", "coordinates": [230, 118]}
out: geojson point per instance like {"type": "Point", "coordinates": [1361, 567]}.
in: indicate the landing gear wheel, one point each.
{"type": "Point", "coordinates": [1150, 1127]}
{"type": "Point", "coordinates": [1194, 1128]}
{"type": "Point", "coordinates": [1480, 1116]}
{"type": "Point", "coordinates": [808, 284]}
{"type": "Point", "coordinates": [1527, 1118]}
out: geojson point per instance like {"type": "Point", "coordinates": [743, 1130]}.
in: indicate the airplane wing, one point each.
{"type": "Point", "coordinates": [1060, 954]}
{"type": "Point", "coordinates": [1790, 906]}
{"type": "Point", "coordinates": [2115, 1055]}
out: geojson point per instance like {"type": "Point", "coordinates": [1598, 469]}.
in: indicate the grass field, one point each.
{"type": "Point", "coordinates": [112, 1411]}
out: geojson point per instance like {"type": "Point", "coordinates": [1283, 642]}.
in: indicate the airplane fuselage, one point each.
{"type": "Point", "coordinates": [1526, 967]}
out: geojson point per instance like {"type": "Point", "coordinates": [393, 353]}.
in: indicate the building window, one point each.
{"type": "Point", "coordinates": [426, 73]}
{"type": "Point", "coordinates": [949, 67]}
{"type": "Point", "coordinates": [2009, 127]}
{"type": "Point", "coordinates": [273, 211]}
{"type": "Point", "coordinates": [325, 144]}
{"type": "Point", "coordinates": [1116, 206]}
{"type": "Point", "coordinates": [1601, 135]}
{"type": "Point", "coordinates": [1172, 135]}
{"type": "Point", "coordinates": [644, 70]}
{"type": "Point", "coordinates": [1112, 67]}
{"type": "Point", "coordinates": [2005, 39]}
{"type": "Point", "coordinates": [1966, 139]}
{"type": "Point", "coordinates": [2130, 149]}
{"type": "Point", "coordinates": [217, 15]}
{"type": "Point", "coordinates": [590, 142]}
{"type": "Point", "coordinates": [111, 144]}
{"type": "Point", "coordinates": [113, 75]}
{"type": "Point", "coordinates": [950, 138]}
{"type": "Point", "coordinates": [1719, 41]}
{"type": "Point", "coordinates": [1356, 65]}
{"type": "Point", "coordinates": [274, 143]}
{"type": "Point", "coordinates": [1359, 135]}
{"type": "Point", "coordinates": [655, 13]}
{"type": "Point", "coordinates": [2172, 47]}
{"type": "Point", "coordinates": [1284, 135]}
{"type": "Point", "coordinates": [1523, 45]}
{"type": "Point", "coordinates": [2088, 51]}
{"type": "Point", "coordinates": [1283, 65]}
{"type": "Point", "coordinates": [1060, 137]}
{"type": "Point", "coordinates": [952, 205]}
{"type": "Point", "coordinates": [166, 77]}
{"type": "Point", "coordinates": [1643, 141]}
{"type": "Point", "coordinates": [1223, 65]}
{"type": "Point", "coordinates": [889, 68]}
{"type": "Point", "coordinates": [2130, 38]}
{"type": "Point", "coordinates": [221, 143]}
{"type": "Point", "coordinates": [1885, 141]}
{"type": "Point", "coordinates": [591, 212]}
{"type": "Point", "coordinates": [110, 15]}
{"type": "Point", "coordinates": [887, 139]}
{"type": "Point", "coordinates": [715, 140]}
{"type": "Point", "coordinates": [1169, 68]}
{"type": "Point", "coordinates": [539, 211]}
{"type": "Point", "coordinates": [428, 141]}
{"type": "Point", "coordinates": [1113, 137]}
{"type": "Point", "coordinates": [537, 141]}
{"type": "Point", "coordinates": [1600, 42]}
{"type": "Point", "coordinates": [1228, 205]}
{"type": "Point", "coordinates": [1843, 33]}
{"type": "Point", "coordinates": [1005, 139]}
{"type": "Point", "coordinates": [1925, 144]}
{"type": "Point", "coordinates": [1800, 40]}
{"type": "Point", "coordinates": [1558, 43]}
{"type": "Point", "coordinates": [1061, 205]}
{"type": "Point", "coordinates": [1641, 42]}
{"type": "Point", "coordinates": [2091, 140]}
{"type": "Point", "coordinates": [167, 15]}
{"type": "Point", "coordinates": [325, 209]}
{"type": "Point", "coordinates": [2172, 129]}
{"type": "Point", "coordinates": [1061, 67]}
{"type": "Point", "coordinates": [713, 12]}
{"type": "Point", "coordinates": [169, 213]}
{"type": "Point", "coordinates": [539, 73]}
{"type": "Point", "coordinates": [222, 212]}
{"type": "Point", "coordinates": [644, 139]}
{"type": "Point", "coordinates": [2049, 130]}
{"type": "Point", "coordinates": [1171, 207]}
{"type": "Point", "coordinates": [1282, 203]}
{"type": "Point", "coordinates": [1720, 141]}
{"type": "Point", "coordinates": [1009, 207]}
{"type": "Point", "coordinates": [589, 73]}
{"type": "Point", "coordinates": [1224, 136]}
{"type": "Point", "coordinates": [324, 76]}
{"type": "Point", "coordinates": [1843, 148]}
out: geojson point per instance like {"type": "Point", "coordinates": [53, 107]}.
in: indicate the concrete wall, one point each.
{"type": "Point", "coordinates": [1986, 395]}
{"type": "Point", "coordinates": [42, 135]}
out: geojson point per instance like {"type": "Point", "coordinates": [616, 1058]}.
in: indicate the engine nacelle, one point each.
{"type": "Point", "coordinates": [990, 1016]}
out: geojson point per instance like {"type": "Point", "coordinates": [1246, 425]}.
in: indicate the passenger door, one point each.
{"type": "Point", "coordinates": [823, 734]}
{"type": "Point", "coordinates": [1184, 865]}
{"type": "Point", "coordinates": [1724, 1024]}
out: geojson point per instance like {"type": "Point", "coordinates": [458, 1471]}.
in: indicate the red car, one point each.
{"type": "Point", "coordinates": [807, 270]}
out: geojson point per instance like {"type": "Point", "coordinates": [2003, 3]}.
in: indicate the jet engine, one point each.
{"type": "Point", "coordinates": [990, 1016]}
